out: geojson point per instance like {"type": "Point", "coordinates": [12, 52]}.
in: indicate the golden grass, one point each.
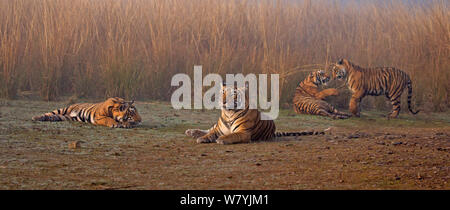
{"type": "Point", "coordinates": [132, 48]}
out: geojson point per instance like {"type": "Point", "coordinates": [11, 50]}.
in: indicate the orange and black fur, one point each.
{"type": "Point", "coordinates": [114, 112]}
{"type": "Point", "coordinates": [239, 125]}
{"type": "Point", "coordinates": [373, 81]}
{"type": "Point", "coordinates": [309, 100]}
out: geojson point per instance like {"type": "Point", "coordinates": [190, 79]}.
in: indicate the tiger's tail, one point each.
{"type": "Point", "coordinates": [54, 116]}
{"type": "Point", "coordinates": [301, 133]}
{"type": "Point", "coordinates": [409, 98]}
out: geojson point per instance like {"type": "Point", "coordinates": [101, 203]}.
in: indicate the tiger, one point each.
{"type": "Point", "coordinates": [238, 124]}
{"type": "Point", "coordinates": [374, 82]}
{"type": "Point", "coordinates": [309, 100]}
{"type": "Point", "coordinates": [114, 112]}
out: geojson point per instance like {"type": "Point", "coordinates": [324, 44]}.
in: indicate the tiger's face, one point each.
{"type": "Point", "coordinates": [233, 98]}
{"type": "Point", "coordinates": [124, 111]}
{"type": "Point", "coordinates": [133, 116]}
{"type": "Point", "coordinates": [339, 70]}
{"type": "Point", "coordinates": [319, 77]}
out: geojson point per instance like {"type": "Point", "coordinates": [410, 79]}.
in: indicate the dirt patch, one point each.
{"type": "Point", "coordinates": [411, 152]}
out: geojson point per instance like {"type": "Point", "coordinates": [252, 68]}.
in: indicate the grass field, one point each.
{"type": "Point", "coordinates": [411, 152]}
{"type": "Point", "coordinates": [132, 49]}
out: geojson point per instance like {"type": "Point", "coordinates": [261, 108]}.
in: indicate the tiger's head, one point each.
{"type": "Point", "coordinates": [123, 111]}
{"type": "Point", "coordinates": [339, 70]}
{"type": "Point", "coordinates": [318, 77]}
{"type": "Point", "coordinates": [233, 98]}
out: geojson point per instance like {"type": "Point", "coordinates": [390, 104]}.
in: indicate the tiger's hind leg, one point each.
{"type": "Point", "coordinates": [355, 101]}
{"type": "Point", "coordinates": [396, 106]}
{"type": "Point", "coordinates": [51, 117]}
{"type": "Point", "coordinates": [395, 109]}
{"type": "Point", "coordinates": [326, 113]}
{"type": "Point", "coordinates": [328, 110]}
{"type": "Point", "coordinates": [341, 115]}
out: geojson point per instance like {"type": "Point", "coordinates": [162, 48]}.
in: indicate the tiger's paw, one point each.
{"type": "Point", "coordinates": [195, 133]}
{"type": "Point", "coordinates": [204, 140]}
{"type": "Point", "coordinates": [122, 125]}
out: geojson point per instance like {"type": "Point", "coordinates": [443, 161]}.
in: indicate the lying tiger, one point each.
{"type": "Point", "coordinates": [373, 81]}
{"type": "Point", "coordinates": [114, 113]}
{"type": "Point", "coordinates": [309, 100]}
{"type": "Point", "coordinates": [239, 125]}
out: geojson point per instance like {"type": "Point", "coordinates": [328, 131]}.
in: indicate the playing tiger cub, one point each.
{"type": "Point", "coordinates": [239, 125]}
{"type": "Point", "coordinates": [114, 113]}
{"type": "Point", "coordinates": [309, 100]}
{"type": "Point", "coordinates": [373, 81]}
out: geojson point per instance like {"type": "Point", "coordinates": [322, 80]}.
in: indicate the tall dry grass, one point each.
{"type": "Point", "coordinates": [132, 48]}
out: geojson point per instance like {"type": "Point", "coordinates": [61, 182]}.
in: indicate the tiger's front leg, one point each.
{"type": "Point", "coordinates": [210, 137]}
{"type": "Point", "coordinates": [110, 122]}
{"type": "Point", "coordinates": [327, 92]}
{"type": "Point", "coordinates": [196, 133]}
{"type": "Point", "coordinates": [354, 105]}
{"type": "Point", "coordinates": [234, 138]}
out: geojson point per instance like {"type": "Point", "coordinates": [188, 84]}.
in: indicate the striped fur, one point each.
{"type": "Point", "coordinates": [374, 82]}
{"type": "Point", "coordinates": [309, 100]}
{"type": "Point", "coordinates": [240, 125]}
{"type": "Point", "coordinates": [114, 112]}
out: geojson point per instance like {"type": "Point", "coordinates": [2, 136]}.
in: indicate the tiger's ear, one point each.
{"type": "Point", "coordinates": [109, 104]}
{"type": "Point", "coordinates": [115, 100]}
{"type": "Point", "coordinates": [341, 61]}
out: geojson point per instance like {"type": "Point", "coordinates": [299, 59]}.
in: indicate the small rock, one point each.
{"type": "Point", "coordinates": [397, 143]}
{"type": "Point", "coordinates": [353, 136]}
{"type": "Point", "coordinates": [75, 145]}
{"type": "Point", "coordinates": [258, 164]}
{"type": "Point", "coordinates": [203, 154]}
{"type": "Point", "coordinates": [419, 177]}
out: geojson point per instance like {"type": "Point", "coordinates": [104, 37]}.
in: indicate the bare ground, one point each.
{"type": "Point", "coordinates": [411, 152]}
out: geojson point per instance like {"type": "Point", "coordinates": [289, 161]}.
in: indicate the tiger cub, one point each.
{"type": "Point", "coordinates": [373, 81]}
{"type": "Point", "coordinates": [114, 112]}
{"type": "Point", "coordinates": [309, 100]}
